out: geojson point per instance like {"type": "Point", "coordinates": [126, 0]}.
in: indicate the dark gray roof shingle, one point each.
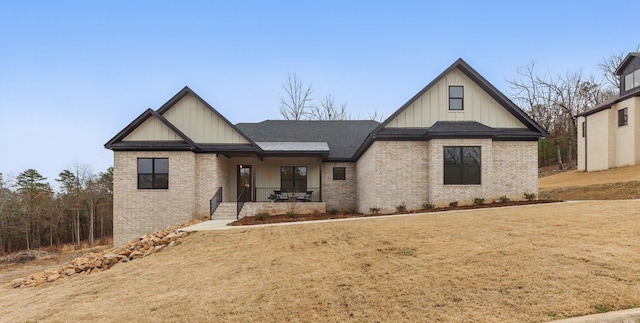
{"type": "Point", "coordinates": [343, 136]}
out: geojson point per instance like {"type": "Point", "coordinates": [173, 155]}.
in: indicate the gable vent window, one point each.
{"type": "Point", "coordinates": [153, 173]}
{"type": "Point", "coordinates": [622, 117]}
{"type": "Point", "coordinates": [456, 97]}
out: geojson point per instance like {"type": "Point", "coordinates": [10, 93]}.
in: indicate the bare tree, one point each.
{"type": "Point", "coordinates": [328, 110]}
{"type": "Point", "coordinates": [554, 101]}
{"type": "Point", "coordinates": [609, 65]}
{"type": "Point", "coordinates": [297, 101]}
{"type": "Point", "coordinates": [376, 116]}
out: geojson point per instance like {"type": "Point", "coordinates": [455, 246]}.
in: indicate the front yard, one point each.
{"type": "Point", "coordinates": [516, 264]}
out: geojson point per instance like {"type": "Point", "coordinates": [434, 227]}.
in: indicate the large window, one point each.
{"type": "Point", "coordinates": [293, 178]}
{"type": "Point", "coordinates": [632, 80]}
{"type": "Point", "coordinates": [153, 173]}
{"type": "Point", "coordinates": [623, 117]}
{"type": "Point", "coordinates": [456, 97]}
{"type": "Point", "coordinates": [461, 165]}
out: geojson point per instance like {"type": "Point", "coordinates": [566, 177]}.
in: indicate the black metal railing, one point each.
{"type": "Point", "coordinates": [242, 198]}
{"type": "Point", "coordinates": [214, 202]}
{"type": "Point", "coordinates": [275, 194]}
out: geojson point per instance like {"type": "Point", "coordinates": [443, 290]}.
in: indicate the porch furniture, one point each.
{"type": "Point", "coordinates": [281, 196]}
{"type": "Point", "coordinates": [305, 197]}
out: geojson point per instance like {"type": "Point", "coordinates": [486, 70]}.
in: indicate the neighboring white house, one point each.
{"type": "Point", "coordinates": [457, 139]}
{"type": "Point", "coordinates": [609, 134]}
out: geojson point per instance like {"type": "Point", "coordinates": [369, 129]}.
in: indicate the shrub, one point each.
{"type": "Point", "coordinates": [478, 201]}
{"type": "Point", "coordinates": [504, 199]}
{"type": "Point", "coordinates": [333, 211]}
{"type": "Point", "coordinates": [348, 211]}
{"type": "Point", "coordinates": [401, 208]}
{"type": "Point", "coordinates": [262, 216]}
{"type": "Point", "coordinates": [428, 206]}
{"type": "Point", "coordinates": [291, 214]}
{"type": "Point", "coordinates": [530, 196]}
{"type": "Point", "coordinates": [453, 204]}
{"type": "Point", "coordinates": [374, 210]}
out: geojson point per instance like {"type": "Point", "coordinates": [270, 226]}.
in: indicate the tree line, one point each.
{"type": "Point", "coordinates": [554, 100]}
{"type": "Point", "coordinates": [33, 215]}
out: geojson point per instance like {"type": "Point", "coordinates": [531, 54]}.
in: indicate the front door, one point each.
{"type": "Point", "coordinates": [244, 183]}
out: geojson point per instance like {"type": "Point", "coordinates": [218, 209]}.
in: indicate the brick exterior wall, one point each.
{"type": "Point", "coordinates": [391, 173]}
{"type": "Point", "coordinates": [365, 181]}
{"type": "Point", "coordinates": [515, 169]}
{"type": "Point", "coordinates": [412, 172]}
{"type": "Point", "coordinates": [508, 168]}
{"type": "Point", "coordinates": [212, 172]}
{"type": "Point", "coordinates": [193, 179]}
{"type": "Point", "coordinates": [137, 212]}
{"type": "Point", "coordinates": [339, 194]}
{"type": "Point", "coordinates": [441, 194]}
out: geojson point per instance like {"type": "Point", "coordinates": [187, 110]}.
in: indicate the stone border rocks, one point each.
{"type": "Point", "coordinates": [93, 262]}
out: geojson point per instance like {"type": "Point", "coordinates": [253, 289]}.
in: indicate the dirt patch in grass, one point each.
{"type": "Point", "coordinates": [281, 218]}
{"type": "Point", "coordinates": [523, 264]}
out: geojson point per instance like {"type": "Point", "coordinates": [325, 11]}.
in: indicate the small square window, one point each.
{"type": "Point", "coordinates": [456, 97]}
{"type": "Point", "coordinates": [153, 173]}
{"type": "Point", "coordinates": [339, 174]}
{"type": "Point", "coordinates": [622, 117]}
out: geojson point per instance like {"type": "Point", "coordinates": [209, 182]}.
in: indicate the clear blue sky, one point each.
{"type": "Point", "coordinates": [74, 73]}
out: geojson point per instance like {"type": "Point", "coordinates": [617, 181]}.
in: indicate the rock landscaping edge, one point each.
{"type": "Point", "coordinates": [100, 261]}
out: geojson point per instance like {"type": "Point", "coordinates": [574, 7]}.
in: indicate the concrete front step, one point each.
{"type": "Point", "coordinates": [226, 211]}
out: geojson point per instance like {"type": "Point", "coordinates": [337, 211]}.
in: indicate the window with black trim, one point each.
{"type": "Point", "coordinates": [632, 80]}
{"type": "Point", "coordinates": [622, 117]}
{"type": "Point", "coordinates": [584, 129]}
{"type": "Point", "coordinates": [339, 174]}
{"type": "Point", "coordinates": [456, 97]}
{"type": "Point", "coordinates": [462, 165]}
{"type": "Point", "coordinates": [293, 178]}
{"type": "Point", "coordinates": [153, 173]}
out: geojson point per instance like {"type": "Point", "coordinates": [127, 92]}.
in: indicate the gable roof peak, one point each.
{"type": "Point", "coordinates": [484, 84]}
{"type": "Point", "coordinates": [626, 61]}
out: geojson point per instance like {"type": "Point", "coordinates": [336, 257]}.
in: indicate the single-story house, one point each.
{"type": "Point", "coordinates": [457, 139]}
{"type": "Point", "coordinates": [609, 133]}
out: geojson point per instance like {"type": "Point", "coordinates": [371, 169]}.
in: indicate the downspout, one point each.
{"type": "Point", "coordinates": [586, 127]}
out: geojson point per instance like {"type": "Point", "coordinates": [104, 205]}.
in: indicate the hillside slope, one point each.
{"type": "Point", "coordinates": [611, 184]}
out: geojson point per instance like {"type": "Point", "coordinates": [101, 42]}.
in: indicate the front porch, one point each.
{"type": "Point", "coordinates": [275, 179]}
{"type": "Point", "coordinates": [274, 185]}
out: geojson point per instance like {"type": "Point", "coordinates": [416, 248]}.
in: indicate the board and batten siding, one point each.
{"type": "Point", "coordinates": [201, 124]}
{"type": "Point", "coordinates": [152, 129]}
{"type": "Point", "coordinates": [433, 106]}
